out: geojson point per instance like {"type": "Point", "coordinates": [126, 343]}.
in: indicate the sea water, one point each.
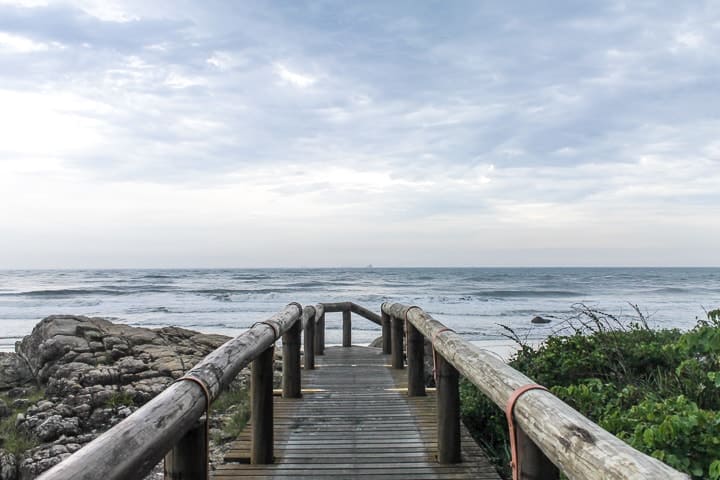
{"type": "Point", "coordinates": [472, 301]}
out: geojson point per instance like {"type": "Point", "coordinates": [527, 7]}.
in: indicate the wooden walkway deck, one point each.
{"type": "Point", "coordinates": [355, 421]}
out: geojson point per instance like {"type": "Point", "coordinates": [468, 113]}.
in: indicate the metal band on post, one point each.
{"type": "Point", "coordinates": [275, 328]}
{"type": "Point", "coordinates": [509, 408]}
{"type": "Point", "coordinates": [208, 399]}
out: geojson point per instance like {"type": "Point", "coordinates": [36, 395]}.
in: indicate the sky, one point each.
{"type": "Point", "coordinates": [343, 133]}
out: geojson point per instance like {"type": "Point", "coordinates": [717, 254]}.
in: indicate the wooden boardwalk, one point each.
{"type": "Point", "coordinates": [355, 421]}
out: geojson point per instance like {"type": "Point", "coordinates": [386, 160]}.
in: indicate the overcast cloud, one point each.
{"type": "Point", "coordinates": [319, 133]}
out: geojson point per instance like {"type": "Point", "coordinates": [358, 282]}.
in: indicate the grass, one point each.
{"type": "Point", "coordinates": [235, 401]}
{"type": "Point", "coordinates": [14, 441]}
{"type": "Point", "coordinates": [120, 398]}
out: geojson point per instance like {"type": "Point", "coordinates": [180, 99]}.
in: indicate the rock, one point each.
{"type": "Point", "coordinates": [14, 371]}
{"type": "Point", "coordinates": [94, 373]}
{"type": "Point", "coordinates": [8, 466]}
{"type": "Point", "coordinates": [17, 392]}
{"type": "Point", "coordinates": [54, 426]}
{"type": "Point", "coordinates": [20, 403]}
{"type": "Point", "coordinates": [539, 319]}
{"type": "Point", "coordinates": [377, 343]}
{"type": "Point", "coordinates": [4, 410]}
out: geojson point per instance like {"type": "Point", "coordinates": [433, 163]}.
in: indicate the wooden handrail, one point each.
{"type": "Point", "coordinates": [134, 446]}
{"type": "Point", "coordinates": [577, 446]}
{"type": "Point", "coordinates": [346, 308]}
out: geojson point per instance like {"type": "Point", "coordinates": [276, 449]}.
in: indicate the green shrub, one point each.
{"type": "Point", "coordinates": [236, 402]}
{"type": "Point", "coordinates": [658, 390]}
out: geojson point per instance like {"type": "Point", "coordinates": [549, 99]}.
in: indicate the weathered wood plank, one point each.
{"type": "Point", "coordinates": [357, 422]}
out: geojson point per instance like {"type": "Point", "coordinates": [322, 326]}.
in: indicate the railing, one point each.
{"type": "Point", "coordinates": [550, 434]}
{"type": "Point", "coordinates": [171, 424]}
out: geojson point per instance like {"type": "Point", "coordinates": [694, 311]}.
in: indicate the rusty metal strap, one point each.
{"type": "Point", "coordinates": [509, 408]}
{"type": "Point", "coordinates": [208, 399]}
{"type": "Point", "coordinates": [275, 328]}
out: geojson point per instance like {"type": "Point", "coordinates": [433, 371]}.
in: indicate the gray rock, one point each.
{"type": "Point", "coordinates": [20, 403]}
{"type": "Point", "coordinates": [539, 320]}
{"type": "Point", "coordinates": [14, 371]}
{"type": "Point", "coordinates": [94, 373]}
{"type": "Point", "coordinates": [8, 466]}
{"type": "Point", "coordinates": [4, 410]}
{"type": "Point", "coordinates": [54, 426]}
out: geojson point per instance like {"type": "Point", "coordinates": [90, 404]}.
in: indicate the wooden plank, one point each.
{"type": "Point", "coordinates": [355, 424]}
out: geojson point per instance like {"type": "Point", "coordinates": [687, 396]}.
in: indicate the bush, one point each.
{"type": "Point", "coordinates": [658, 390]}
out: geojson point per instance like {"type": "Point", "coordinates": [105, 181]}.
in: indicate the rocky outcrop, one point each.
{"type": "Point", "coordinates": [94, 373]}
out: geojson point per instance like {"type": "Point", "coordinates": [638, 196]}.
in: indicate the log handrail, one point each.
{"type": "Point", "coordinates": [577, 446]}
{"type": "Point", "coordinates": [352, 307]}
{"type": "Point", "coordinates": [548, 427]}
{"type": "Point", "coordinates": [134, 446]}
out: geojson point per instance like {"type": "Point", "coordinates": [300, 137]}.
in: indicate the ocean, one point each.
{"type": "Point", "coordinates": [472, 301]}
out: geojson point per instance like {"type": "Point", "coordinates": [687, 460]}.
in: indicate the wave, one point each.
{"type": "Point", "coordinates": [672, 290]}
{"type": "Point", "coordinates": [148, 310]}
{"type": "Point", "coordinates": [525, 293]}
{"type": "Point", "coordinates": [240, 291]}
{"type": "Point", "coordinates": [74, 292]}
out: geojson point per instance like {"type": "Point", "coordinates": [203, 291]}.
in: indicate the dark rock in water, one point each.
{"type": "Point", "coordinates": [539, 319]}
{"type": "Point", "coordinates": [94, 373]}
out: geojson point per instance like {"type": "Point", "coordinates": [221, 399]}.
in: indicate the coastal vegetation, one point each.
{"type": "Point", "coordinates": [12, 439]}
{"type": "Point", "coordinates": [232, 411]}
{"type": "Point", "coordinates": [656, 389]}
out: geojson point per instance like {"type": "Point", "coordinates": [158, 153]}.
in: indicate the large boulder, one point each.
{"type": "Point", "coordinates": [93, 373]}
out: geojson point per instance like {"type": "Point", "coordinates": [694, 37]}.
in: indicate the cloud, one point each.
{"type": "Point", "coordinates": [492, 126]}
{"type": "Point", "coordinates": [10, 43]}
{"type": "Point", "coordinates": [293, 78]}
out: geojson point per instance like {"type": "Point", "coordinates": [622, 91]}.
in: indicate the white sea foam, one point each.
{"type": "Point", "coordinates": [472, 301]}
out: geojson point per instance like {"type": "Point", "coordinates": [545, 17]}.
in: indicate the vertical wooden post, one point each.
{"type": "Point", "coordinates": [532, 462]}
{"type": "Point", "coordinates": [397, 343]}
{"type": "Point", "coordinates": [292, 378]}
{"type": "Point", "coordinates": [187, 460]}
{"type": "Point", "coordinates": [347, 329]}
{"type": "Point", "coordinates": [310, 342]}
{"type": "Point", "coordinates": [261, 414]}
{"type": "Point", "coordinates": [320, 334]}
{"type": "Point", "coordinates": [415, 362]}
{"type": "Point", "coordinates": [448, 412]}
{"type": "Point", "coordinates": [386, 336]}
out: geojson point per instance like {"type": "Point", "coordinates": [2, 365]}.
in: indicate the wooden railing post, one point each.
{"type": "Point", "coordinates": [320, 331]}
{"type": "Point", "coordinates": [188, 460]}
{"type": "Point", "coordinates": [386, 336]}
{"type": "Point", "coordinates": [261, 414]}
{"type": "Point", "coordinates": [415, 362]}
{"type": "Point", "coordinates": [448, 412]}
{"type": "Point", "coordinates": [397, 343]}
{"type": "Point", "coordinates": [309, 340]}
{"type": "Point", "coordinates": [532, 462]}
{"type": "Point", "coordinates": [347, 329]}
{"type": "Point", "coordinates": [291, 375]}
